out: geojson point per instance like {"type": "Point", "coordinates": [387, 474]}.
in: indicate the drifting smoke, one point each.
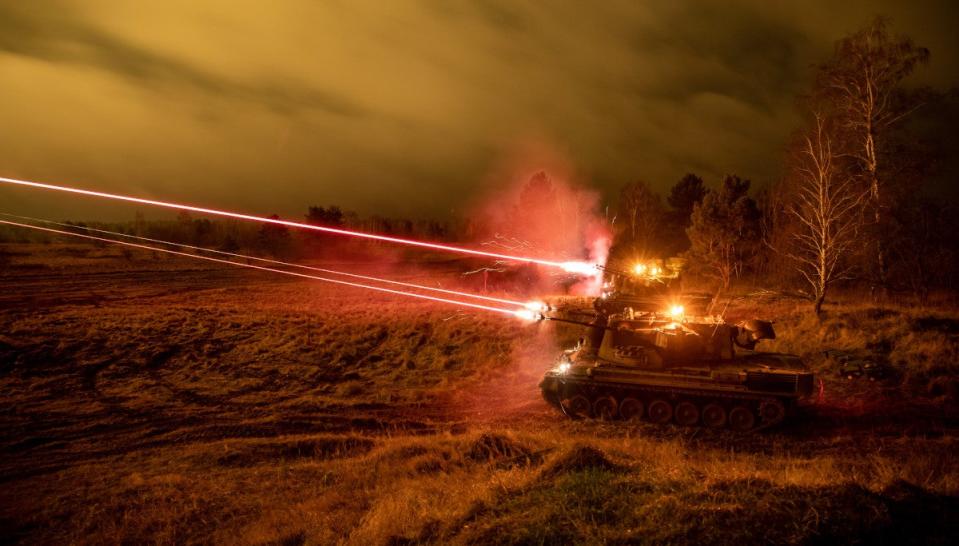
{"type": "Point", "coordinates": [538, 210]}
{"type": "Point", "coordinates": [598, 240]}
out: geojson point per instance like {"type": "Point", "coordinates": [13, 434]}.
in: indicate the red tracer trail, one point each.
{"type": "Point", "coordinates": [521, 313]}
{"type": "Point", "coordinates": [571, 267]}
{"type": "Point", "coordinates": [527, 305]}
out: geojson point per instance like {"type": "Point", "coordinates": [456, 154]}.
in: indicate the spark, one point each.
{"type": "Point", "coordinates": [528, 315]}
{"type": "Point", "coordinates": [521, 313]}
{"type": "Point", "coordinates": [570, 267]}
{"type": "Point", "coordinates": [276, 262]}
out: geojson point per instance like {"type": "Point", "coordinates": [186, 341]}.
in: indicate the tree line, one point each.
{"type": "Point", "coordinates": [850, 208]}
{"type": "Point", "coordinates": [264, 239]}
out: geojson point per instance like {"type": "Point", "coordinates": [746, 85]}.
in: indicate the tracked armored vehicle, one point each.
{"type": "Point", "coordinates": [666, 367]}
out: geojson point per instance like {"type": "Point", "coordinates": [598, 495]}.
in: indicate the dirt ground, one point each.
{"type": "Point", "coordinates": [148, 400]}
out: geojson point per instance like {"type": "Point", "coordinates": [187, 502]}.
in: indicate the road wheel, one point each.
{"type": "Point", "coordinates": [631, 409]}
{"type": "Point", "coordinates": [772, 411]}
{"type": "Point", "coordinates": [660, 412]}
{"type": "Point", "coordinates": [741, 419]}
{"type": "Point", "coordinates": [687, 414]}
{"type": "Point", "coordinates": [578, 407]}
{"type": "Point", "coordinates": [714, 416]}
{"type": "Point", "coordinates": [605, 408]}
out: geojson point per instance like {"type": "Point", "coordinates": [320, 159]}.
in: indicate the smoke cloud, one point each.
{"type": "Point", "coordinates": [537, 207]}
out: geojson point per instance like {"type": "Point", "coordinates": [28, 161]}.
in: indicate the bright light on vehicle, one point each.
{"type": "Point", "coordinates": [563, 367]}
{"type": "Point", "coordinates": [677, 312]}
{"type": "Point", "coordinates": [639, 269]}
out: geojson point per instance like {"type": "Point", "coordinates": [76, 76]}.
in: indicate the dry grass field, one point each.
{"type": "Point", "coordinates": [146, 399]}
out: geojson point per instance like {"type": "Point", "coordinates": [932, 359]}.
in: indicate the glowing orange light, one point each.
{"type": "Point", "coordinates": [584, 268]}
{"type": "Point", "coordinates": [521, 313]}
{"type": "Point", "coordinates": [677, 312]}
{"type": "Point", "coordinates": [639, 269]}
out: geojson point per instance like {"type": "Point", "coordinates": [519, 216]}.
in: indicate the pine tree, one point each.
{"type": "Point", "coordinates": [724, 231]}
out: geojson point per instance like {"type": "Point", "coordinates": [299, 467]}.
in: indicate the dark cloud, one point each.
{"type": "Point", "coordinates": [408, 107]}
{"type": "Point", "coordinates": [741, 52]}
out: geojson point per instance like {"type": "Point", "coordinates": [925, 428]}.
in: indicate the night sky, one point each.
{"type": "Point", "coordinates": [409, 107]}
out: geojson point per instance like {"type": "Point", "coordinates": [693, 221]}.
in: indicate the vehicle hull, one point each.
{"type": "Point", "coordinates": [767, 386]}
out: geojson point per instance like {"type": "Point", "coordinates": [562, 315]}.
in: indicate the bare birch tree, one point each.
{"type": "Point", "coordinates": [826, 206]}
{"type": "Point", "coordinates": [862, 85]}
